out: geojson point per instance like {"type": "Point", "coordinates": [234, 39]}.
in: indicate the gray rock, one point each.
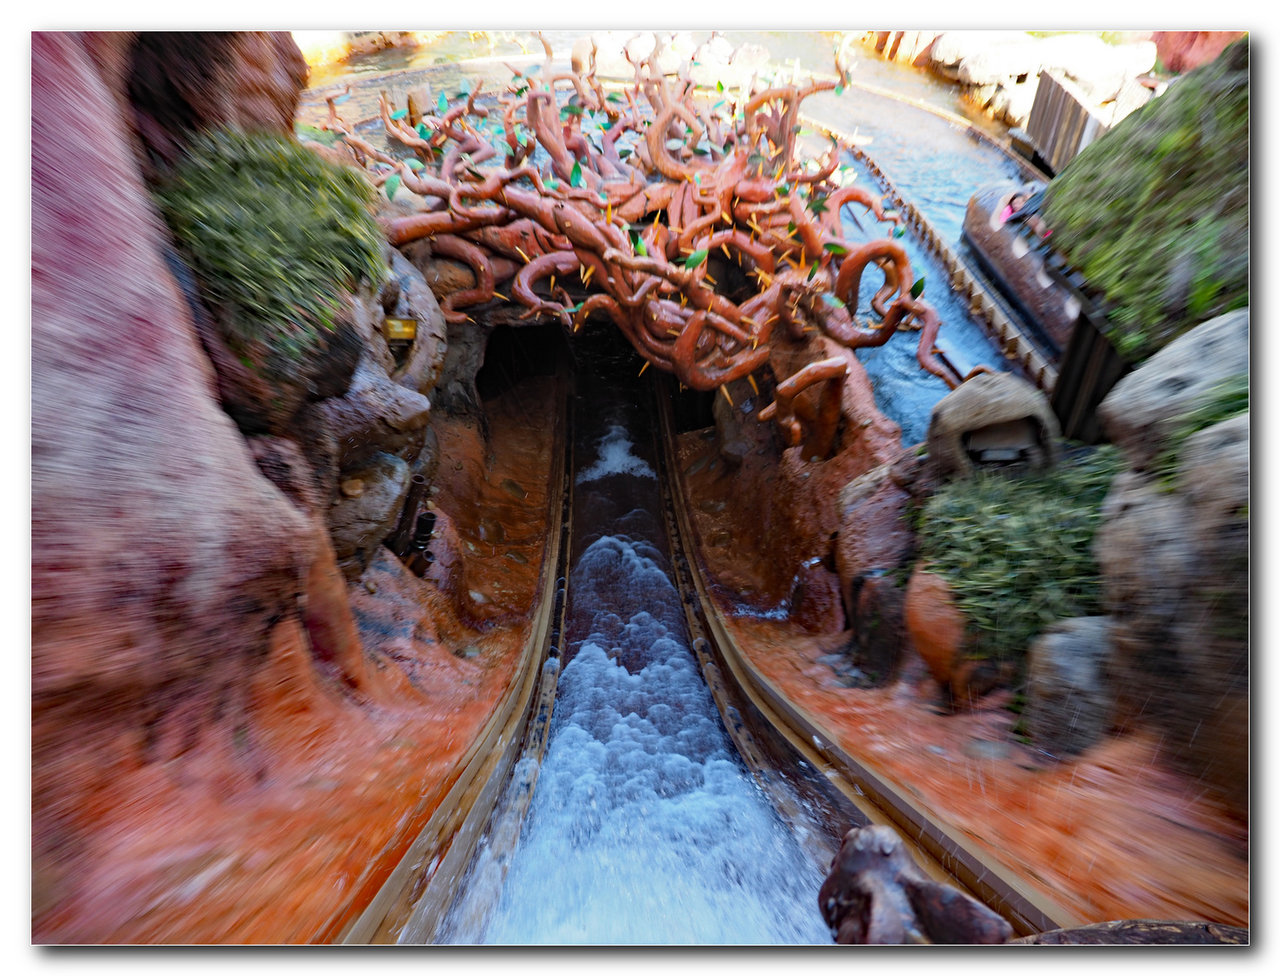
{"type": "Point", "coordinates": [358, 524]}
{"type": "Point", "coordinates": [1069, 701]}
{"type": "Point", "coordinates": [1213, 631]}
{"type": "Point", "coordinates": [1140, 411]}
{"type": "Point", "coordinates": [876, 894]}
{"type": "Point", "coordinates": [994, 418]}
{"type": "Point", "coordinates": [1145, 559]}
{"type": "Point", "coordinates": [455, 391]}
{"type": "Point", "coordinates": [376, 415]}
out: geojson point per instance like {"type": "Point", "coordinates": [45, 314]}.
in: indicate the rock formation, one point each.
{"type": "Point", "coordinates": [1173, 550]}
{"type": "Point", "coordinates": [162, 559]}
{"type": "Point", "coordinates": [875, 894]}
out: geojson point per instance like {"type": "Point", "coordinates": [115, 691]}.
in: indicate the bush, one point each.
{"type": "Point", "coordinates": [274, 234]}
{"type": "Point", "coordinates": [1018, 552]}
{"type": "Point", "coordinates": [1156, 212]}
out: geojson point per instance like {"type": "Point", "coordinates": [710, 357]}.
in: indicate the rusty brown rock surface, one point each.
{"type": "Point", "coordinates": [1183, 51]}
{"type": "Point", "coordinates": [935, 625]}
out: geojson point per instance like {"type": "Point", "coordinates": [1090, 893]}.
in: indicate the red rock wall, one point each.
{"type": "Point", "coordinates": [1183, 51]}
{"type": "Point", "coordinates": [161, 558]}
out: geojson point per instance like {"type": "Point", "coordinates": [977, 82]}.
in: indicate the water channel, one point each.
{"type": "Point", "coordinates": [645, 826]}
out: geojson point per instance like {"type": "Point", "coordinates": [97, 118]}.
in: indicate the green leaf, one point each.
{"type": "Point", "coordinates": [813, 270]}
{"type": "Point", "coordinates": [570, 110]}
{"type": "Point", "coordinates": [442, 104]}
{"type": "Point", "coordinates": [400, 114]}
{"type": "Point", "coordinates": [839, 89]}
{"type": "Point", "coordinates": [391, 185]}
{"type": "Point", "coordinates": [835, 248]}
{"type": "Point", "coordinates": [818, 205]}
{"type": "Point", "coordinates": [696, 258]}
{"type": "Point", "coordinates": [464, 88]}
{"type": "Point", "coordinates": [720, 87]}
{"type": "Point", "coordinates": [918, 288]}
{"type": "Point", "coordinates": [423, 132]}
{"type": "Point", "coordinates": [575, 174]}
{"type": "Point", "coordinates": [551, 183]}
{"type": "Point", "coordinates": [831, 300]}
{"type": "Point", "coordinates": [414, 164]}
{"type": "Point", "coordinates": [614, 97]}
{"type": "Point", "coordinates": [899, 231]}
{"type": "Point", "coordinates": [624, 153]}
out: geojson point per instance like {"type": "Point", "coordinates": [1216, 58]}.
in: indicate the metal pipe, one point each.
{"type": "Point", "coordinates": [399, 540]}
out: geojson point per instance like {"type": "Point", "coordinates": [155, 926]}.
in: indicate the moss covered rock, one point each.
{"type": "Point", "coordinates": [1155, 213]}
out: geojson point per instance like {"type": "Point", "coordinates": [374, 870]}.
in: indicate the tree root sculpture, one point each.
{"type": "Point", "coordinates": [692, 226]}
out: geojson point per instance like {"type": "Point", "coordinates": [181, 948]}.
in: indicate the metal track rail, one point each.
{"type": "Point", "coordinates": [940, 850]}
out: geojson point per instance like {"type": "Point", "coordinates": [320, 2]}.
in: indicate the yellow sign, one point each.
{"type": "Point", "coordinates": [400, 329]}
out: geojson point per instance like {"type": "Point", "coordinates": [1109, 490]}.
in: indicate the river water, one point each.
{"type": "Point", "coordinates": [645, 827]}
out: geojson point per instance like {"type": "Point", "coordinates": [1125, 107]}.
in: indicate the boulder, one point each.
{"type": "Point", "coordinates": [878, 620]}
{"type": "Point", "coordinates": [934, 623]}
{"type": "Point", "coordinates": [375, 416]}
{"type": "Point", "coordinates": [1142, 408]}
{"type": "Point", "coordinates": [1069, 700]}
{"type": "Point", "coordinates": [992, 420]}
{"type": "Point", "coordinates": [1214, 480]}
{"type": "Point", "coordinates": [874, 539]}
{"type": "Point", "coordinates": [366, 510]}
{"type": "Point", "coordinates": [1145, 559]}
{"type": "Point", "coordinates": [1213, 632]}
{"type": "Point", "coordinates": [263, 390]}
{"type": "Point", "coordinates": [876, 894]}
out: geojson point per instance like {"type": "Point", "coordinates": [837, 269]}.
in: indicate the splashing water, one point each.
{"type": "Point", "coordinates": [645, 827]}
{"type": "Point", "coordinates": [615, 458]}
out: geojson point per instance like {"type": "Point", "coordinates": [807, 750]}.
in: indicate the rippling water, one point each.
{"type": "Point", "coordinates": [645, 827]}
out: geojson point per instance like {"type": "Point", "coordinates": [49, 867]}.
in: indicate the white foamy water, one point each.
{"type": "Point", "coordinates": [645, 828]}
{"type": "Point", "coordinates": [615, 457]}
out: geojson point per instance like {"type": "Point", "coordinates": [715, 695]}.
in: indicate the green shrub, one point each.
{"type": "Point", "coordinates": [1156, 212]}
{"type": "Point", "coordinates": [1018, 552]}
{"type": "Point", "coordinates": [274, 235]}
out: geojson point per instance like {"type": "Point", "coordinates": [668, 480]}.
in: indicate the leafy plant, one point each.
{"type": "Point", "coordinates": [1018, 552]}
{"type": "Point", "coordinates": [274, 234]}
{"type": "Point", "coordinates": [1156, 212]}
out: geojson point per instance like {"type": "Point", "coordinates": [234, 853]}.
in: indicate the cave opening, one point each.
{"type": "Point", "coordinates": [516, 353]}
